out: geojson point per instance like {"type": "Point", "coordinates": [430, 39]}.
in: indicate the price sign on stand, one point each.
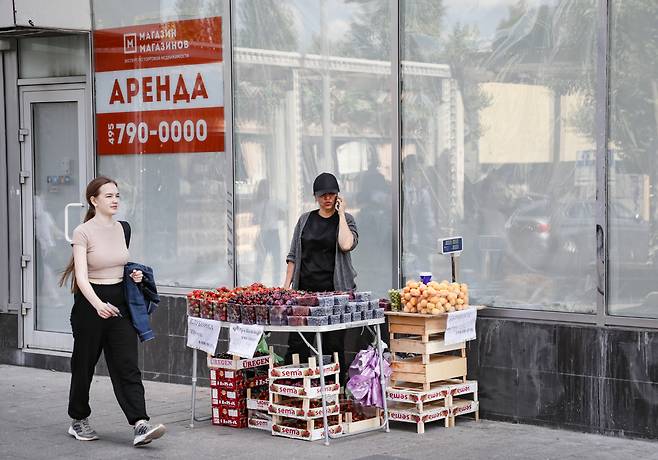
{"type": "Point", "coordinates": [243, 339]}
{"type": "Point", "coordinates": [452, 247]}
{"type": "Point", "coordinates": [460, 326]}
{"type": "Point", "coordinates": [202, 334]}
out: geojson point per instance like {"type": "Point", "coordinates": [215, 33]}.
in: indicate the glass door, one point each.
{"type": "Point", "coordinates": [54, 174]}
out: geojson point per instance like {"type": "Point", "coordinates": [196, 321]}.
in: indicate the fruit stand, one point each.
{"type": "Point", "coordinates": [428, 370]}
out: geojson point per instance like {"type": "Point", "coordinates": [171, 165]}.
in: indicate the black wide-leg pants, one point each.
{"type": "Point", "coordinates": [117, 339]}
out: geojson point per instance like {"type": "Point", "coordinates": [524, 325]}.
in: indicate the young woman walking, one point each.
{"type": "Point", "coordinates": [100, 318]}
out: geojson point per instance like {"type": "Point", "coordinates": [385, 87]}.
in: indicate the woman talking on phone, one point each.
{"type": "Point", "coordinates": [101, 319]}
{"type": "Point", "coordinates": [319, 258]}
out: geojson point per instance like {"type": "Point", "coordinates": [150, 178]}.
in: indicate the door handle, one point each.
{"type": "Point", "coordinates": [66, 219]}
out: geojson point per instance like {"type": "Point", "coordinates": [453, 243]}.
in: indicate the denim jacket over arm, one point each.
{"type": "Point", "coordinates": [344, 273]}
{"type": "Point", "coordinates": [142, 299]}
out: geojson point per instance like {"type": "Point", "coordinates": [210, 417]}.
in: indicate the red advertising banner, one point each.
{"type": "Point", "coordinates": [192, 41]}
{"type": "Point", "coordinates": [160, 88]}
{"type": "Point", "coordinates": [161, 131]}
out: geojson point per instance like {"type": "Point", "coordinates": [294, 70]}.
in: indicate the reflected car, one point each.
{"type": "Point", "coordinates": [558, 236]}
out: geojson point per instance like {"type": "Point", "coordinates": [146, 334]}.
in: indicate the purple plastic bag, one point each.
{"type": "Point", "coordinates": [365, 384]}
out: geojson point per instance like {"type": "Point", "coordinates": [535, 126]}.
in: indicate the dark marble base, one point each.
{"type": "Point", "coordinates": [585, 378]}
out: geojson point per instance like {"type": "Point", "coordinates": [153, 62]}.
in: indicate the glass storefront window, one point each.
{"type": "Point", "coordinates": [497, 146]}
{"type": "Point", "coordinates": [56, 56]}
{"type": "Point", "coordinates": [633, 145]}
{"type": "Point", "coordinates": [312, 94]}
{"type": "Point", "coordinates": [176, 202]}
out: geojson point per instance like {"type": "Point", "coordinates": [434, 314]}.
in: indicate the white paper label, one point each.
{"type": "Point", "coordinates": [460, 326]}
{"type": "Point", "coordinates": [243, 339]}
{"type": "Point", "coordinates": [202, 334]}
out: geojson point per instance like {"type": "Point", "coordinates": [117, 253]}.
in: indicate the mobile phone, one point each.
{"type": "Point", "coordinates": [337, 203]}
{"type": "Point", "coordinates": [118, 312]}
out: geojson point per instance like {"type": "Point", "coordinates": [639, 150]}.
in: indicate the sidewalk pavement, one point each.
{"type": "Point", "coordinates": [33, 425]}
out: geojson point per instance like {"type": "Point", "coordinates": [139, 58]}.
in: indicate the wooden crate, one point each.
{"type": "Point", "coordinates": [350, 426]}
{"type": "Point", "coordinates": [439, 367]}
{"type": "Point", "coordinates": [400, 412]}
{"type": "Point", "coordinates": [416, 345]}
{"type": "Point", "coordinates": [281, 396]}
{"type": "Point", "coordinates": [306, 391]}
{"type": "Point", "coordinates": [259, 424]}
{"type": "Point", "coordinates": [310, 433]}
{"type": "Point", "coordinates": [259, 420]}
{"type": "Point", "coordinates": [256, 404]}
{"type": "Point", "coordinates": [415, 324]}
{"type": "Point", "coordinates": [413, 393]}
{"type": "Point", "coordinates": [410, 403]}
{"type": "Point", "coordinates": [280, 406]}
{"type": "Point", "coordinates": [298, 370]}
{"type": "Point", "coordinates": [462, 407]}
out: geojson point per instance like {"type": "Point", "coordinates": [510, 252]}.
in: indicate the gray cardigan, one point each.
{"type": "Point", "coordinates": [344, 272]}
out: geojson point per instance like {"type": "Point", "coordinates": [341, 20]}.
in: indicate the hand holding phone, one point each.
{"type": "Point", "coordinates": [340, 204]}
{"type": "Point", "coordinates": [107, 310]}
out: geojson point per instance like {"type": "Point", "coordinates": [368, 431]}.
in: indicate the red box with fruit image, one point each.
{"type": "Point", "coordinates": [225, 394]}
{"type": "Point", "coordinates": [218, 418]}
{"type": "Point", "coordinates": [240, 404]}
{"type": "Point", "coordinates": [231, 384]}
{"type": "Point", "coordinates": [257, 381]}
{"type": "Point", "coordinates": [229, 379]}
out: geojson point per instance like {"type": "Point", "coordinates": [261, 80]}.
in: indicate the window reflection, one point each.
{"type": "Point", "coordinates": [177, 203]}
{"type": "Point", "coordinates": [633, 145]}
{"type": "Point", "coordinates": [312, 83]}
{"type": "Point", "coordinates": [495, 148]}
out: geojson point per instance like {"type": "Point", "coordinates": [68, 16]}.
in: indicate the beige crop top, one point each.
{"type": "Point", "coordinates": [106, 249]}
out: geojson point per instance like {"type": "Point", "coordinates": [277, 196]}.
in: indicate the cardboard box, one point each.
{"type": "Point", "coordinates": [224, 397]}
{"type": "Point", "coordinates": [238, 364]}
{"type": "Point", "coordinates": [218, 418]}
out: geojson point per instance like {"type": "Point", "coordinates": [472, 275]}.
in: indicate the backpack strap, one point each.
{"type": "Point", "coordinates": [126, 231]}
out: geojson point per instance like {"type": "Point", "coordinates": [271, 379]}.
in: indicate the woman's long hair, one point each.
{"type": "Point", "coordinates": [93, 189]}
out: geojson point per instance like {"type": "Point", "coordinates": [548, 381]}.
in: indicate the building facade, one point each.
{"type": "Point", "coordinates": [528, 127]}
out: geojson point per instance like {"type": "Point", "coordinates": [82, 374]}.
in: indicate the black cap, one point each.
{"type": "Point", "coordinates": [325, 183]}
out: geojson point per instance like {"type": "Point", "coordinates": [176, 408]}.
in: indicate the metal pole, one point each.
{"type": "Point", "coordinates": [318, 343]}
{"type": "Point", "coordinates": [602, 124]}
{"type": "Point", "coordinates": [194, 371]}
{"type": "Point", "coordinates": [396, 143]}
{"type": "Point", "coordinates": [452, 265]}
{"type": "Point", "coordinates": [382, 378]}
{"type": "Point", "coordinates": [227, 50]}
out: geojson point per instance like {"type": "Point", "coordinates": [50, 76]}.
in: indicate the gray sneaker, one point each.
{"type": "Point", "coordinates": [145, 432]}
{"type": "Point", "coordinates": [82, 431]}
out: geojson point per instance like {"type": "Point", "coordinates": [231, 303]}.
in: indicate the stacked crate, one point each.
{"type": "Point", "coordinates": [428, 381]}
{"type": "Point", "coordinates": [296, 399]}
{"type": "Point", "coordinates": [358, 418]}
{"type": "Point", "coordinates": [231, 380]}
{"type": "Point", "coordinates": [258, 402]}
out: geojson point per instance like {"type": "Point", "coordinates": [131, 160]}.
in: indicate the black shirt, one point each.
{"type": "Point", "coordinates": [319, 238]}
